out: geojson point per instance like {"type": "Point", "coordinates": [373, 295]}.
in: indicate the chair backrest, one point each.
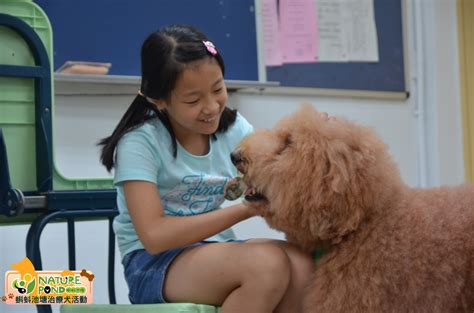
{"type": "Point", "coordinates": [27, 118]}
{"type": "Point", "coordinates": [26, 101]}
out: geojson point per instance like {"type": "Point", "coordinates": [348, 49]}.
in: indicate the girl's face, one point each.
{"type": "Point", "coordinates": [198, 100]}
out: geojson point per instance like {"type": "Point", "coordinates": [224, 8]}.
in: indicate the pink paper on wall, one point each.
{"type": "Point", "coordinates": [271, 33]}
{"type": "Point", "coordinates": [299, 32]}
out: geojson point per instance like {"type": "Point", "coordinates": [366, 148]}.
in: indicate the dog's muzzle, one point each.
{"type": "Point", "coordinates": [238, 161]}
{"type": "Point", "coordinates": [235, 157]}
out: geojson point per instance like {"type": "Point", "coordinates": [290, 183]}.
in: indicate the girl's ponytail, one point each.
{"type": "Point", "coordinates": [138, 112]}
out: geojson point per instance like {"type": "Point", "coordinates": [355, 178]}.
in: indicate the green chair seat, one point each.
{"type": "Point", "coordinates": [139, 308]}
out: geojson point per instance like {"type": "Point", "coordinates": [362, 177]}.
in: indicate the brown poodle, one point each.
{"type": "Point", "coordinates": [331, 184]}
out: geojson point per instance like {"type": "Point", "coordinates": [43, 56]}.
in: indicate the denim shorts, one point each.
{"type": "Point", "coordinates": [145, 273]}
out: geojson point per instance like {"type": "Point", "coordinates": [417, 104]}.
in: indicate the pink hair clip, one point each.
{"type": "Point", "coordinates": [210, 47]}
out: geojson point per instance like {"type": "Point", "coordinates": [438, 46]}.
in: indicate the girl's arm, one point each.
{"type": "Point", "coordinates": [158, 232]}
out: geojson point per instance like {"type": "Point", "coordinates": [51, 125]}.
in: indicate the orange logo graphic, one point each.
{"type": "Point", "coordinates": [28, 286]}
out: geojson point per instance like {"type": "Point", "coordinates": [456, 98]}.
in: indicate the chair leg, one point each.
{"type": "Point", "coordinates": [71, 237]}
{"type": "Point", "coordinates": [111, 273]}
{"type": "Point", "coordinates": [31, 252]}
{"type": "Point", "coordinates": [33, 243]}
{"type": "Point", "coordinates": [33, 247]}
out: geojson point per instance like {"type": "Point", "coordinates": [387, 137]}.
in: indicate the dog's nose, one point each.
{"type": "Point", "coordinates": [235, 157]}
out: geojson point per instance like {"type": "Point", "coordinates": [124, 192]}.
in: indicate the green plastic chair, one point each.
{"type": "Point", "coordinates": [140, 308]}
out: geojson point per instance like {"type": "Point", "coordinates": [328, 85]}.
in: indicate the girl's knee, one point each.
{"type": "Point", "coordinates": [304, 264]}
{"type": "Point", "coordinates": [269, 265]}
{"type": "Point", "coordinates": [302, 268]}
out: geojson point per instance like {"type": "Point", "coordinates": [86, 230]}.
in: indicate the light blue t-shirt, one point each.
{"type": "Point", "coordinates": [188, 184]}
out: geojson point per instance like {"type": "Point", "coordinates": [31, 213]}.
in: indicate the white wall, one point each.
{"type": "Point", "coordinates": [440, 63]}
{"type": "Point", "coordinates": [423, 132]}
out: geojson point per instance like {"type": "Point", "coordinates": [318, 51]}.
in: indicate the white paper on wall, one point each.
{"type": "Point", "coordinates": [359, 22]}
{"type": "Point", "coordinates": [346, 31]}
{"type": "Point", "coordinates": [333, 44]}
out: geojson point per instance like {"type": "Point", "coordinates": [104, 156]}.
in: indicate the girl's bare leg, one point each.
{"type": "Point", "coordinates": [301, 271]}
{"type": "Point", "coordinates": [240, 277]}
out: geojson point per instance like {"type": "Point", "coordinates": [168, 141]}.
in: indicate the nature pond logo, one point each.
{"type": "Point", "coordinates": [25, 286]}
{"type": "Point", "coordinates": [28, 286]}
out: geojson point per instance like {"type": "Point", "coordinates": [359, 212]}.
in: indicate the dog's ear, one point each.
{"type": "Point", "coordinates": [346, 183]}
{"type": "Point", "coordinates": [338, 167]}
{"type": "Point", "coordinates": [285, 142]}
{"type": "Point", "coordinates": [345, 165]}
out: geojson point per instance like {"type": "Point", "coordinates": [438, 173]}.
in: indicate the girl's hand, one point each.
{"type": "Point", "coordinates": [246, 211]}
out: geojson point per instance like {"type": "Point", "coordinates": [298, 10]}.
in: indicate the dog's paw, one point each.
{"type": "Point", "coordinates": [234, 188]}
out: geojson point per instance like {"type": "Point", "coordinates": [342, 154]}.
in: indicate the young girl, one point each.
{"type": "Point", "coordinates": [171, 153]}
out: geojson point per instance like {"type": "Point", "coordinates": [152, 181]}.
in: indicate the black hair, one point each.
{"type": "Point", "coordinates": [164, 55]}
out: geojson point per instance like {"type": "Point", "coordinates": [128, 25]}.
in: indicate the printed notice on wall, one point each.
{"type": "Point", "coordinates": [298, 29]}
{"type": "Point", "coordinates": [360, 25]}
{"type": "Point", "coordinates": [346, 31]}
{"type": "Point", "coordinates": [333, 44]}
{"type": "Point", "coordinates": [271, 33]}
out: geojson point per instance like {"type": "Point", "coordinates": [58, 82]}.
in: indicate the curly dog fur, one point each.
{"type": "Point", "coordinates": [389, 248]}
